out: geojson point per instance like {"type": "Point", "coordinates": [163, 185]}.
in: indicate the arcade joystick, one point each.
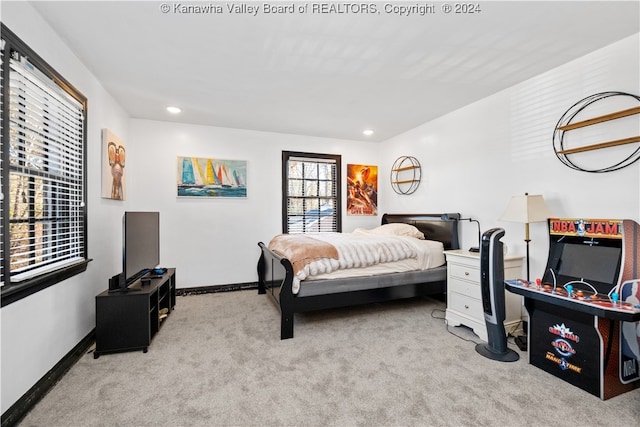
{"type": "Point", "coordinates": [569, 290]}
{"type": "Point", "coordinates": [614, 297]}
{"type": "Point", "coordinates": [538, 282]}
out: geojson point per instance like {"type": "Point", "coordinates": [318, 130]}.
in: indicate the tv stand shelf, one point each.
{"type": "Point", "coordinates": [128, 321]}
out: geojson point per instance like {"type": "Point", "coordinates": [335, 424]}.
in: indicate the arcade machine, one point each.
{"type": "Point", "coordinates": [584, 314]}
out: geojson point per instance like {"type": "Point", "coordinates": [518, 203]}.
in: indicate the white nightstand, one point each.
{"type": "Point", "coordinates": [464, 302]}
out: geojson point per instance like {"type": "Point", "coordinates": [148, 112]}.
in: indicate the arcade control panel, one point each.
{"type": "Point", "coordinates": [607, 306]}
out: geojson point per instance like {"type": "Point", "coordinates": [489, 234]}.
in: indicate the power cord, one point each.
{"type": "Point", "coordinates": [509, 335]}
{"type": "Point", "coordinates": [448, 327]}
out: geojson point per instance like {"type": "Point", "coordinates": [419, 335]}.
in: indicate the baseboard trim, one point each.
{"type": "Point", "coordinates": [216, 288]}
{"type": "Point", "coordinates": [18, 410]}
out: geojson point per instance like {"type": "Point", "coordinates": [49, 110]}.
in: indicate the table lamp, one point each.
{"type": "Point", "coordinates": [526, 209]}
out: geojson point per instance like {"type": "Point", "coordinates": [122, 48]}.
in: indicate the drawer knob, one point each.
{"type": "Point", "coordinates": [466, 306]}
{"type": "Point", "coordinates": [466, 273]}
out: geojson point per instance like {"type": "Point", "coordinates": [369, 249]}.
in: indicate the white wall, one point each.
{"type": "Point", "coordinates": [476, 158]}
{"type": "Point", "coordinates": [39, 330]}
{"type": "Point", "coordinates": [214, 241]}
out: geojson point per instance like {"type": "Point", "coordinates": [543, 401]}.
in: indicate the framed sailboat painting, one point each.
{"type": "Point", "coordinates": [211, 178]}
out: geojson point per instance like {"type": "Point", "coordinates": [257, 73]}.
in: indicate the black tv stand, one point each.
{"type": "Point", "coordinates": [127, 320]}
{"type": "Point", "coordinates": [122, 290]}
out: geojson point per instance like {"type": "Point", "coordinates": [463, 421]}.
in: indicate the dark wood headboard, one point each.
{"type": "Point", "coordinates": [440, 227]}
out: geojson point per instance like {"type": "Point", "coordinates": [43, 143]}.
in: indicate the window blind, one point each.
{"type": "Point", "coordinates": [312, 194]}
{"type": "Point", "coordinates": [46, 192]}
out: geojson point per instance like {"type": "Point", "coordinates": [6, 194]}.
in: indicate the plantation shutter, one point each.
{"type": "Point", "coordinates": [312, 194]}
{"type": "Point", "coordinates": [46, 194]}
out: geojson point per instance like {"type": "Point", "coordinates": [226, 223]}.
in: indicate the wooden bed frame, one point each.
{"type": "Point", "coordinates": [275, 276]}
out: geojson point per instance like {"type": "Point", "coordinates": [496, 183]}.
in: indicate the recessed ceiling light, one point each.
{"type": "Point", "coordinates": [367, 132]}
{"type": "Point", "coordinates": [173, 110]}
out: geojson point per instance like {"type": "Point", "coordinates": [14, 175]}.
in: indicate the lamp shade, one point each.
{"type": "Point", "coordinates": [525, 209]}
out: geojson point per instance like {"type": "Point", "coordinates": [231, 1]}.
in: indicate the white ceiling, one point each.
{"type": "Point", "coordinates": [329, 75]}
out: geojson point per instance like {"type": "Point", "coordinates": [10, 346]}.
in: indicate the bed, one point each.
{"type": "Point", "coordinates": [276, 276]}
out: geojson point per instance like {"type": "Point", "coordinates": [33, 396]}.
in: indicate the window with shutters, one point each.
{"type": "Point", "coordinates": [310, 192]}
{"type": "Point", "coordinates": [43, 180]}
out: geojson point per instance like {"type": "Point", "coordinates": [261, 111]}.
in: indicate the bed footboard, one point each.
{"type": "Point", "coordinates": [275, 278]}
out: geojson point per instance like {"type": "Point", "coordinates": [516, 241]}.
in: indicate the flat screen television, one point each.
{"type": "Point", "coordinates": [140, 244]}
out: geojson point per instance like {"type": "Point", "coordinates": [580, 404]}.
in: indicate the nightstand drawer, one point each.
{"type": "Point", "coordinates": [466, 305]}
{"type": "Point", "coordinates": [464, 298]}
{"type": "Point", "coordinates": [464, 272]}
{"type": "Point", "coordinates": [464, 288]}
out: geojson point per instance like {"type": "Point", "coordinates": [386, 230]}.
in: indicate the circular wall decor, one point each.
{"type": "Point", "coordinates": [405, 175]}
{"type": "Point", "coordinates": [567, 123]}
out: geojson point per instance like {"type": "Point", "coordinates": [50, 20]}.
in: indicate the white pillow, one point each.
{"type": "Point", "coordinates": [399, 229]}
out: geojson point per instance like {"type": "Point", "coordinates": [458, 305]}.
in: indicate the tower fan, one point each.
{"type": "Point", "coordinates": [492, 289]}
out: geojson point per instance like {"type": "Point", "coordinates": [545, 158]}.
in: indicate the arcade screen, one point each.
{"type": "Point", "coordinates": [596, 264]}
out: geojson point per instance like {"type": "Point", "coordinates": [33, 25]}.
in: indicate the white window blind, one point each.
{"type": "Point", "coordinates": [312, 194]}
{"type": "Point", "coordinates": [46, 191]}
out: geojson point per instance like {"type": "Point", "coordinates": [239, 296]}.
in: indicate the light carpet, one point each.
{"type": "Point", "coordinates": [218, 361]}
